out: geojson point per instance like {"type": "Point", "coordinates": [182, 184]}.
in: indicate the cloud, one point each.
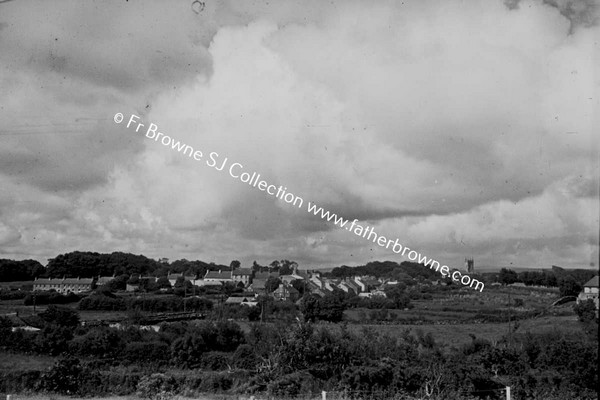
{"type": "Point", "coordinates": [439, 122]}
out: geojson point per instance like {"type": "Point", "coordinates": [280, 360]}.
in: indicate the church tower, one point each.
{"type": "Point", "coordinates": [470, 265]}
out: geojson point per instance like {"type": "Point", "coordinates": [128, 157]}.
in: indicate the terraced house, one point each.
{"type": "Point", "coordinates": [64, 285]}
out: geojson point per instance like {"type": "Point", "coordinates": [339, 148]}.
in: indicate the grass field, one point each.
{"type": "Point", "coordinates": [11, 362]}
{"type": "Point", "coordinates": [459, 334]}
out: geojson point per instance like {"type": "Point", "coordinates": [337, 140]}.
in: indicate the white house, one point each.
{"type": "Point", "coordinates": [64, 285]}
{"type": "Point", "coordinates": [590, 291]}
{"type": "Point", "coordinates": [361, 285]}
{"type": "Point", "coordinates": [217, 276]}
{"type": "Point", "coordinates": [242, 275]}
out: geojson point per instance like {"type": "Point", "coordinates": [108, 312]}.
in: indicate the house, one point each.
{"type": "Point", "coordinates": [317, 281]}
{"type": "Point", "coordinates": [218, 276]}
{"type": "Point", "coordinates": [241, 275]}
{"type": "Point", "coordinates": [371, 283]}
{"type": "Point", "coordinates": [19, 324]}
{"type": "Point", "coordinates": [133, 283]}
{"type": "Point", "coordinates": [329, 285]}
{"type": "Point", "coordinates": [173, 278]}
{"type": "Point", "coordinates": [295, 275]}
{"type": "Point", "coordinates": [77, 285]}
{"type": "Point", "coordinates": [590, 291]}
{"type": "Point", "coordinates": [64, 285]}
{"type": "Point", "coordinates": [313, 288]}
{"type": "Point", "coordinates": [286, 292]}
{"type": "Point", "coordinates": [44, 284]}
{"type": "Point", "coordinates": [349, 286]}
{"type": "Point", "coordinates": [258, 285]}
{"type": "Point", "coordinates": [103, 280]}
{"type": "Point", "coordinates": [362, 287]}
{"type": "Point", "coordinates": [245, 301]}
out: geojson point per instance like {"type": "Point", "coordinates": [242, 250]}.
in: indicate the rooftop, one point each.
{"type": "Point", "coordinates": [592, 282]}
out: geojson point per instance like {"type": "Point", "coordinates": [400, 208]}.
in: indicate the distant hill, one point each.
{"type": "Point", "coordinates": [486, 268]}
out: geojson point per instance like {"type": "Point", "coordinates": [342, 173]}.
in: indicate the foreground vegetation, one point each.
{"type": "Point", "coordinates": [292, 359]}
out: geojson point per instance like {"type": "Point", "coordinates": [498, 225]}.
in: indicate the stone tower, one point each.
{"type": "Point", "coordinates": [470, 265]}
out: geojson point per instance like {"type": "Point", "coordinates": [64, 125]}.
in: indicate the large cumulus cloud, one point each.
{"type": "Point", "coordinates": [462, 129]}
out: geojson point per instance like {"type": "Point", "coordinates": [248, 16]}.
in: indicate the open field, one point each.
{"type": "Point", "coordinates": [24, 362]}
{"type": "Point", "coordinates": [459, 334]}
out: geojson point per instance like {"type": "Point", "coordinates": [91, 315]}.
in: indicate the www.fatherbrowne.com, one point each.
{"type": "Point", "coordinates": [368, 232]}
{"type": "Point", "coordinates": [236, 171]}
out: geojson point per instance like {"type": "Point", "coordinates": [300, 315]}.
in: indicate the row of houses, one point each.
{"type": "Point", "coordinates": [64, 285]}
{"type": "Point", "coordinates": [243, 277]}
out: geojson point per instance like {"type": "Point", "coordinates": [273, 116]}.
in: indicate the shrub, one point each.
{"type": "Point", "coordinates": [586, 310]}
{"type": "Point", "coordinates": [245, 357]}
{"type": "Point", "coordinates": [64, 377]}
{"type": "Point", "coordinates": [157, 386]}
{"type": "Point", "coordinates": [102, 303]}
{"type": "Point", "coordinates": [215, 361]}
{"type": "Point", "coordinates": [146, 351]}
{"type": "Point", "coordinates": [98, 342]}
{"type": "Point", "coordinates": [62, 316]}
{"type": "Point", "coordinates": [50, 297]}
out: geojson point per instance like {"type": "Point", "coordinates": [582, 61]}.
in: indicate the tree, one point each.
{"type": "Point", "coordinates": [507, 276]}
{"type": "Point", "coordinates": [163, 283]}
{"type": "Point", "coordinates": [256, 267]}
{"type": "Point", "coordinates": [117, 283]}
{"type": "Point", "coordinates": [62, 316]}
{"type": "Point", "coordinates": [272, 284]}
{"type": "Point", "coordinates": [398, 295]}
{"type": "Point", "coordinates": [186, 351]}
{"type": "Point", "coordinates": [309, 307]}
{"type": "Point", "coordinates": [235, 264]}
{"type": "Point", "coordinates": [64, 377]}
{"type": "Point", "coordinates": [25, 270]}
{"type": "Point", "coordinates": [53, 340]}
{"type": "Point", "coordinates": [331, 308]}
{"type": "Point", "coordinates": [568, 286]}
{"type": "Point", "coordinates": [182, 287]}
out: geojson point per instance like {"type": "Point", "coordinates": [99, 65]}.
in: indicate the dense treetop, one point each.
{"type": "Point", "coordinates": [25, 270]}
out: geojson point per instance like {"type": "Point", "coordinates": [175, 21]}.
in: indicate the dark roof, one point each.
{"type": "Point", "coordinates": [218, 275]}
{"type": "Point", "coordinates": [592, 282]}
{"type": "Point", "coordinates": [236, 300]}
{"type": "Point", "coordinates": [46, 281]}
{"type": "Point", "coordinates": [77, 281]}
{"type": "Point", "coordinates": [258, 283]}
{"type": "Point", "coordinates": [67, 281]}
{"type": "Point", "coordinates": [289, 289]}
{"type": "Point", "coordinates": [263, 275]}
{"type": "Point", "coordinates": [242, 271]}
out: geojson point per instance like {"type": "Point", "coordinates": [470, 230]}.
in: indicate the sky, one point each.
{"type": "Point", "coordinates": [461, 128]}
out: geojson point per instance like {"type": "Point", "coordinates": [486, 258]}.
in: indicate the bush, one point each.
{"type": "Point", "coordinates": [586, 310]}
{"type": "Point", "coordinates": [215, 361]}
{"type": "Point", "coordinates": [98, 342]}
{"type": "Point", "coordinates": [50, 297]}
{"type": "Point", "coordinates": [67, 376]}
{"type": "Point", "coordinates": [147, 352]}
{"type": "Point", "coordinates": [62, 316]}
{"type": "Point", "coordinates": [102, 303]}
{"type": "Point", "coordinates": [157, 386]}
{"type": "Point", "coordinates": [245, 358]}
